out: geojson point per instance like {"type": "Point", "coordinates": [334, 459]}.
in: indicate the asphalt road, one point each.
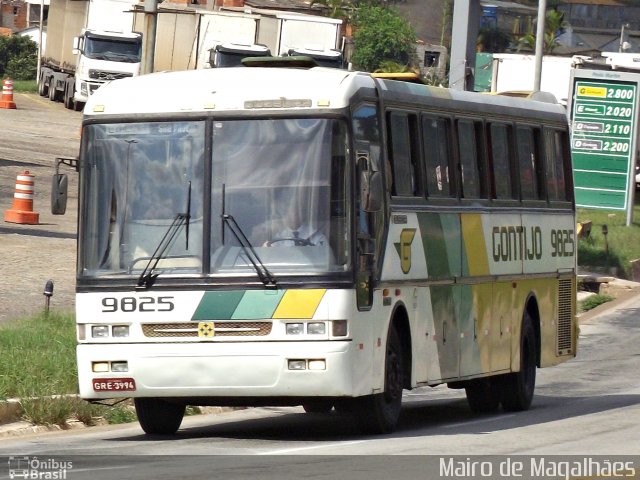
{"type": "Point", "coordinates": [31, 137]}
{"type": "Point", "coordinates": [589, 406]}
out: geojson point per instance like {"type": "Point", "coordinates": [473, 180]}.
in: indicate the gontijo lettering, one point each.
{"type": "Point", "coordinates": [513, 243]}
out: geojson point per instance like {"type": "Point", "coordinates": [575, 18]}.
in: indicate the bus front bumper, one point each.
{"type": "Point", "coordinates": [269, 369]}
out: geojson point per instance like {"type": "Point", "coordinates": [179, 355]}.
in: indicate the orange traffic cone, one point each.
{"type": "Point", "coordinates": [7, 94]}
{"type": "Point", "coordinates": [22, 208]}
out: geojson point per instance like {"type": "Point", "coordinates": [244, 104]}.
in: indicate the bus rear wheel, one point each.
{"type": "Point", "coordinates": [158, 417]}
{"type": "Point", "coordinates": [379, 413]}
{"type": "Point", "coordinates": [518, 387]}
{"type": "Point", "coordinates": [483, 395]}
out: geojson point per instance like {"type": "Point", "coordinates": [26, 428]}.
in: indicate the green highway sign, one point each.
{"type": "Point", "coordinates": [603, 137]}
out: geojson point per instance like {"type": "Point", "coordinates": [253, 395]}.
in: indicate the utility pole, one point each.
{"type": "Point", "coordinates": [150, 23]}
{"type": "Point", "coordinates": [466, 23]}
{"type": "Point", "coordinates": [40, 40]}
{"type": "Point", "coordinates": [621, 46]}
{"type": "Point", "coordinates": [542, 16]}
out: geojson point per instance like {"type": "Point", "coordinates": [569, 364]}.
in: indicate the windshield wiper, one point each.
{"type": "Point", "coordinates": [148, 275]}
{"type": "Point", "coordinates": [266, 277]}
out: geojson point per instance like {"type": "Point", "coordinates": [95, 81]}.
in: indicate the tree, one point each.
{"type": "Point", "coordinates": [553, 26]}
{"type": "Point", "coordinates": [335, 8]}
{"type": "Point", "coordinates": [18, 57]}
{"type": "Point", "coordinates": [389, 66]}
{"type": "Point", "coordinates": [381, 34]}
{"type": "Point", "coordinates": [493, 39]}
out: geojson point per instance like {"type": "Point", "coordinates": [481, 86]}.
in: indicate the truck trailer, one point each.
{"type": "Point", "coordinates": [189, 38]}
{"type": "Point", "coordinates": [89, 43]}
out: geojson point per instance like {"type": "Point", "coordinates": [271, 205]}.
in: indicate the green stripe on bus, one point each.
{"type": "Point", "coordinates": [218, 305]}
{"type": "Point", "coordinates": [442, 244]}
{"type": "Point", "coordinates": [258, 304]}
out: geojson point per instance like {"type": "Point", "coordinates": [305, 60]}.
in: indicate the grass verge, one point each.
{"type": "Point", "coordinates": [25, 86]}
{"type": "Point", "coordinates": [623, 242]}
{"type": "Point", "coordinates": [593, 301]}
{"type": "Point", "coordinates": [39, 366]}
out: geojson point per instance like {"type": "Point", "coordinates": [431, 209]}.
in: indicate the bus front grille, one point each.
{"type": "Point", "coordinates": [565, 317]}
{"type": "Point", "coordinates": [221, 329]}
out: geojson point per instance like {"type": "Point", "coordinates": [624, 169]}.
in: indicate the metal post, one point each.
{"type": "Point", "coordinates": [621, 45]}
{"type": "Point", "coordinates": [464, 33]}
{"type": "Point", "coordinates": [542, 15]}
{"type": "Point", "coordinates": [39, 65]}
{"type": "Point", "coordinates": [151, 23]}
{"type": "Point", "coordinates": [48, 293]}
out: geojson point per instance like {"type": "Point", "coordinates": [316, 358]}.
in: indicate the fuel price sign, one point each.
{"type": "Point", "coordinates": [603, 131]}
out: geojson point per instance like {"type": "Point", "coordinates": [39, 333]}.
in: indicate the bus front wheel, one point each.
{"type": "Point", "coordinates": [518, 387]}
{"type": "Point", "coordinates": [379, 413]}
{"type": "Point", "coordinates": [158, 417]}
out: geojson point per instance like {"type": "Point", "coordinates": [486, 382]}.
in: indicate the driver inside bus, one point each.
{"type": "Point", "coordinates": [298, 229]}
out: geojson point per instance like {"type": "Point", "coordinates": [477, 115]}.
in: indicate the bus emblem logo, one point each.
{"type": "Point", "coordinates": [404, 248]}
{"type": "Point", "coordinates": [206, 330]}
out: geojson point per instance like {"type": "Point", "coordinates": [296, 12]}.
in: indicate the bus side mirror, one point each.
{"type": "Point", "coordinates": [59, 187]}
{"type": "Point", "coordinates": [372, 192]}
{"type": "Point", "coordinates": [373, 200]}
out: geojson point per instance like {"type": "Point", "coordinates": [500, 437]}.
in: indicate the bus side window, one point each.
{"type": "Point", "coordinates": [555, 172]}
{"type": "Point", "coordinates": [469, 154]}
{"type": "Point", "coordinates": [499, 141]}
{"type": "Point", "coordinates": [437, 152]}
{"type": "Point", "coordinates": [403, 154]}
{"type": "Point", "coordinates": [528, 162]}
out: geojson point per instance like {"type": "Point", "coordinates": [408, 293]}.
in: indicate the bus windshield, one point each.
{"type": "Point", "coordinates": [283, 182]}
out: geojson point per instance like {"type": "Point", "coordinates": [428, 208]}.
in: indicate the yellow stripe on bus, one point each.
{"type": "Point", "coordinates": [299, 303]}
{"type": "Point", "coordinates": [474, 244]}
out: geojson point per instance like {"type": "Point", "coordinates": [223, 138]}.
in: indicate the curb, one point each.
{"type": "Point", "coordinates": [10, 411]}
{"type": "Point", "coordinates": [601, 309]}
{"type": "Point", "coordinates": [12, 425]}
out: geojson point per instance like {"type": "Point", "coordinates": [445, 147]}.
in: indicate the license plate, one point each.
{"type": "Point", "coordinates": [114, 384]}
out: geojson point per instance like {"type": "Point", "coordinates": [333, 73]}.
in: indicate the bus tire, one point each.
{"type": "Point", "coordinates": [379, 413]}
{"type": "Point", "coordinates": [517, 388]}
{"type": "Point", "coordinates": [483, 395]}
{"type": "Point", "coordinates": [318, 406]}
{"type": "Point", "coordinates": [158, 417]}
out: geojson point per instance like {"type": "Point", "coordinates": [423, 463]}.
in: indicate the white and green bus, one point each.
{"type": "Point", "coordinates": [318, 237]}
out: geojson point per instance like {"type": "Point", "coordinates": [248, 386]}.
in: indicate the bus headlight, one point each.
{"type": "Point", "coordinates": [316, 328]}
{"type": "Point", "coordinates": [99, 367]}
{"type": "Point", "coordinates": [100, 331]}
{"type": "Point", "coordinates": [297, 364]}
{"type": "Point", "coordinates": [119, 366]}
{"type": "Point", "coordinates": [120, 330]}
{"type": "Point", "coordinates": [295, 328]}
{"type": "Point", "coordinates": [317, 365]}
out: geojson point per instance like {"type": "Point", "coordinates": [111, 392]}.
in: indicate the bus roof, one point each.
{"type": "Point", "coordinates": [272, 89]}
{"type": "Point", "coordinates": [225, 89]}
